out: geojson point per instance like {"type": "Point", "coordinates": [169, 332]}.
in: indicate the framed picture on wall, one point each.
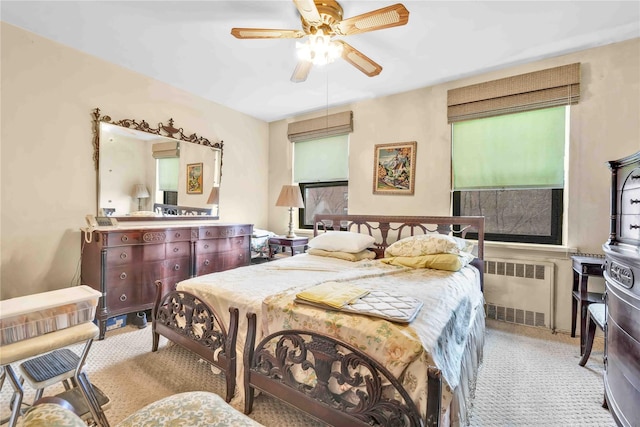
{"type": "Point", "coordinates": [194, 178]}
{"type": "Point", "coordinates": [394, 168]}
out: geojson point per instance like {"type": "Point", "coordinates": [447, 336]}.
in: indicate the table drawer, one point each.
{"type": "Point", "coordinates": [624, 307]}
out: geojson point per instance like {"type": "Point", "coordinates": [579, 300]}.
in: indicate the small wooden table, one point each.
{"type": "Point", "coordinates": [297, 244]}
{"type": "Point", "coordinates": [583, 267]}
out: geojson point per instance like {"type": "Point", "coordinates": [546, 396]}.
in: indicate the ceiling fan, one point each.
{"type": "Point", "coordinates": [321, 21]}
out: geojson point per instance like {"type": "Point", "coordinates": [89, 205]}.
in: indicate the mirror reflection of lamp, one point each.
{"type": "Point", "coordinates": [290, 197]}
{"type": "Point", "coordinates": [140, 192]}
{"type": "Point", "coordinates": [214, 199]}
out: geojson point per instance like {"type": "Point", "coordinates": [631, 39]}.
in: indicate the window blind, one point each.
{"type": "Point", "coordinates": [168, 170]}
{"type": "Point", "coordinates": [321, 127]}
{"type": "Point", "coordinates": [163, 150]}
{"type": "Point", "coordinates": [539, 89]}
{"type": "Point", "coordinates": [325, 159]}
{"type": "Point", "coordinates": [522, 150]}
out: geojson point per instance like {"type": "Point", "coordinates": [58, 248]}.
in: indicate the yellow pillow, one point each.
{"type": "Point", "coordinates": [358, 256]}
{"type": "Point", "coordinates": [448, 262]}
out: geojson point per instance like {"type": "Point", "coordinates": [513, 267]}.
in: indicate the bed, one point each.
{"type": "Point", "coordinates": [437, 371]}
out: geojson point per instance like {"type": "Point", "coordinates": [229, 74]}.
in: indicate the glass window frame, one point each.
{"type": "Point", "coordinates": [320, 184]}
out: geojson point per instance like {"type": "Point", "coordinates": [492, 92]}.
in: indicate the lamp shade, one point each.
{"type": "Point", "coordinates": [214, 196]}
{"type": "Point", "coordinates": [140, 191]}
{"type": "Point", "coordinates": [290, 196]}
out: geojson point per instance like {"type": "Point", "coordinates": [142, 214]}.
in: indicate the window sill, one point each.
{"type": "Point", "coordinates": [553, 251]}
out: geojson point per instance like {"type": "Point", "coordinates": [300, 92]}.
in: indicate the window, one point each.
{"type": "Point", "coordinates": [323, 198]}
{"type": "Point", "coordinates": [321, 168]}
{"type": "Point", "coordinates": [510, 169]}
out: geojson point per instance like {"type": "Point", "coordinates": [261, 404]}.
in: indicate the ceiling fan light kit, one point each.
{"type": "Point", "coordinates": [321, 21]}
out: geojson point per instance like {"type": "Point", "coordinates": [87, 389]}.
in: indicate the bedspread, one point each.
{"type": "Point", "coordinates": [436, 337]}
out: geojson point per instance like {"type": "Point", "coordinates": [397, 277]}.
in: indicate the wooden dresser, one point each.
{"type": "Point", "coordinates": [124, 263]}
{"type": "Point", "coordinates": [622, 278]}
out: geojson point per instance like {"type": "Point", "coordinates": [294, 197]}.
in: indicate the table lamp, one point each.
{"type": "Point", "coordinates": [214, 198]}
{"type": "Point", "coordinates": [290, 197]}
{"type": "Point", "coordinates": [140, 192]}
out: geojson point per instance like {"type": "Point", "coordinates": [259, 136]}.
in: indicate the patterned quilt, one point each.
{"type": "Point", "coordinates": [436, 337]}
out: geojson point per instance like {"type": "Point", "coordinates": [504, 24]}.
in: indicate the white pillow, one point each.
{"type": "Point", "coordinates": [342, 241]}
{"type": "Point", "coordinates": [428, 244]}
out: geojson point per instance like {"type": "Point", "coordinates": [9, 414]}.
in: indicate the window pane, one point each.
{"type": "Point", "coordinates": [323, 198]}
{"type": "Point", "coordinates": [532, 216]}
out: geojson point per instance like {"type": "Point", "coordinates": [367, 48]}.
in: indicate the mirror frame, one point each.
{"type": "Point", "coordinates": [169, 131]}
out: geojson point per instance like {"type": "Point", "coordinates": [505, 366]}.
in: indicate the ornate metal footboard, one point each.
{"type": "Point", "coordinates": [184, 319]}
{"type": "Point", "coordinates": [331, 380]}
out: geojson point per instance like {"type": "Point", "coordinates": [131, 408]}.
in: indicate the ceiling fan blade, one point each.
{"type": "Point", "coordinates": [392, 16]}
{"type": "Point", "coordinates": [265, 33]}
{"type": "Point", "coordinates": [309, 12]}
{"type": "Point", "coordinates": [359, 60]}
{"type": "Point", "coordinates": [302, 71]}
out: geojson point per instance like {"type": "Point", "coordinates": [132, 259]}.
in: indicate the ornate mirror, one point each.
{"type": "Point", "coordinates": [147, 173]}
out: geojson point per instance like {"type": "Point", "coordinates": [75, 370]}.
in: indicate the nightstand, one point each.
{"type": "Point", "coordinates": [583, 268]}
{"type": "Point", "coordinates": [296, 244]}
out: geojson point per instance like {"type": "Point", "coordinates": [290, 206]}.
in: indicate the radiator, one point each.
{"type": "Point", "coordinates": [520, 291]}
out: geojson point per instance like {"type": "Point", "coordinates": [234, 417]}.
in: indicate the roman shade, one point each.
{"type": "Point", "coordinates": [163, 150]}
{"type": "Point", "coordinates": [523, 151]}
{"type": "Point", "coordinates": [321, 160]}
{"type": "Point", "coordinates": [539, 89]}
{"type": "Point", "coordinates": [168, 171]}
{"type": "Point", "coordinates": [321, 127]}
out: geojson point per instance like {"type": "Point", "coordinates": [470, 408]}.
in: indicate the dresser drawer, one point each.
{"type": "Point", "coordinates": [211, 263]}
{"type": "Point", "coordinates": [630, 201]}
{"type": "Point", "coordinates": [119, 255]}
{"type": "Point", "coordinates": [622, 379]}
{"type": "Point", "coordinates": [630, 227]}
{"type": "Point", "coordinates": [119, 238]}
{"type": "Point", "coordinates": [624, 307]}
{"type": "Point", "coordinates": [178, 235]}
{"type": "Point", "coordinates": [118, 275]}
{"type": "Point", "coordinates": [225, 231]}
{"type": "Point", "coordinates": [178, 249]}
{"type": "Point", "coordinates": [121, 296]}
{"type": "Point", "coordinates": [222, 245]}
{"type": "Point", "coordinates": [630, 180]}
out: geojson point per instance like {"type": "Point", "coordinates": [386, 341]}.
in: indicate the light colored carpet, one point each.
{"type": "Point", "coordinates": [530, 377]}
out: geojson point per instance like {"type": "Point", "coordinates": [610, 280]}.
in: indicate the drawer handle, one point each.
{"type": "Point", "coordinates": [208, 233]}
{"type": "Point", "coordinates": [175, 249]}
{"type": "Point", "coordinates": [124, 238]}
{"type": "Point", "coordinates": [634, 201]}
{"type": "Point", "coordinates": [123, 297]}
{"type": "Point", "coordinates": [176, 267]}
{"type": "Point", "coordinates": [206, 246]}
{"type": "Point", "coordinates": [177, 234]}
{"type": "Point", "coordinates": [633, 226]}
{"type": "Point", "coordinates": [123, 255]}
{"type": "Point", "coordinates": [123, 275]}
{"type": "Point", "coordinates": [635, 176]}
{"type": "Point", "coordinates": [206, 262]}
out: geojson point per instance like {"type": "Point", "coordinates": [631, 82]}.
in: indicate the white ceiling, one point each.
{"type": "Point", "coordinates": [188, 44]}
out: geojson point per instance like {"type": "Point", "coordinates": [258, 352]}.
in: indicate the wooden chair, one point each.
{"type": "Point", "coordinates": [597, 317]}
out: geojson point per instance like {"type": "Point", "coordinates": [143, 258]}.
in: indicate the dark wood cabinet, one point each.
{"type": "Point", "coordinates": [622, 295]}
{"type": "Point", "coordinates": [123, 264]}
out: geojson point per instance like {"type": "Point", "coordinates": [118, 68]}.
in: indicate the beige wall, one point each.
{"type": "Point", "coordinates": [48, 180]}
{"type": "Point", "coordinates": [605, 125]}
